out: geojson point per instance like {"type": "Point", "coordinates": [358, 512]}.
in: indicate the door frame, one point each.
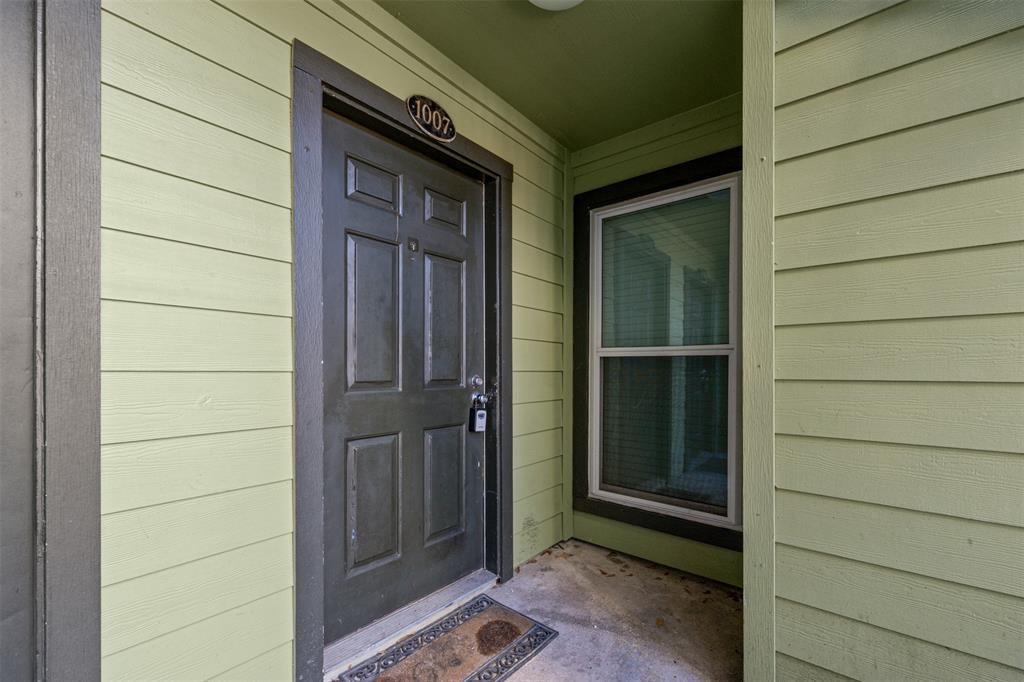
{"type": "Point", "coordinates": [320, 82]}
{"type": "Point", "coordinates": [50, 473]}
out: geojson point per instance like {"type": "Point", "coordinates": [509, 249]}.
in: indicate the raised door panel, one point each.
{"type": "Point", "coordinates": [444, 457]}
{"type": "Point", "coordinates": [444, 293]}
{"type": "Point", "coordinates": [373, 513]}
{"type": "Point", "coordinates": [373, 314]}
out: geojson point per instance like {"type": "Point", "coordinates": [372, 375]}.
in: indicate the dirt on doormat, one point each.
{"type": "Point", "coordinates": [482, 640]}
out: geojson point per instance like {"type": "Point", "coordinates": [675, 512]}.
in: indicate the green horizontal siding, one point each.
{"type": "Point", "coordinates": [899, 407]}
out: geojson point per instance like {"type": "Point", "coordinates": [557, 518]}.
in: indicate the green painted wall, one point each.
{"type": "Point", "coordinates": [196, 332]}
{"type": "Point", "coordinates": [899, 312]}
{"type": "Point", "coordinates": [689, 135]}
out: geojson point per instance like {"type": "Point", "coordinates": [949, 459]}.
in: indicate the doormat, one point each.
{"type": "Point", "coordinates": [481, 641]}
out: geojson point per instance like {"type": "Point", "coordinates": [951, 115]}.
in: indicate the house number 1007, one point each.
{"type": "Point", "coordinates": [431, 118]}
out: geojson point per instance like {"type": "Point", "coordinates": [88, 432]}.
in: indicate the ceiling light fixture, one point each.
{"type": "Point", "coordinates": [555, 5]}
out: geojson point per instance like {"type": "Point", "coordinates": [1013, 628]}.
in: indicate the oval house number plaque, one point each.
{"type": "Point", "coordinates": [431, 118]}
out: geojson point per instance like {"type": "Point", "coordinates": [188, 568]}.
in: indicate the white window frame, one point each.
{"type": "Point", "coordinates": [733, 517]}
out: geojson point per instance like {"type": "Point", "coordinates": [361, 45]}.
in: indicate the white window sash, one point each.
{"type": "Point", "coordinates": [733, 517]}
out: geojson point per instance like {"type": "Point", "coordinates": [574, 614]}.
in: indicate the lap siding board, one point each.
{"type": "Point", "coordinates": [900, 293]}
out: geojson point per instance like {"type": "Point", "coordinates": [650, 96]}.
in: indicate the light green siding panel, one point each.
{"type": "Point", "coordinates": [532, 387]}
{"type": "Point", "coordinates": [535, 293]}
{"type": "Point", "coordinates": [144, 337]}
{"type": "Point", "coordinates": [531, 448]}
{"type": "Point", "coordinates": [151, 67]}
{"type": "Point", "coordinates": [533, 199]}
{"type": "Point", "coordinates": [536, 325]}
{"type": "Point", "coordinates": [207, 648]}
{"type": "Point", "coordinates": [536, 356]}
{"type": "Point", "coordinates": [713, 562]}
{"type": "Point", "coordinates": [536, 538]}
{"type": "Point", "coordinates": [969, 484]}
{"type": "Point", "coordinates": [982, 143]}
{"type": "Point", "coordinates": [800, 20]}
{"type": "Point", "coordinates": [534, 417]}
{"type": "Point", "coordinates": [973, 416]}
{"type": "Point", "coordinates": [977, 281]}
{"type": "Point", "coordinates": [690, 134]}
{"type": "Point", "coordinates": [153, 539]}
{"type": "Point", "coordinates": [154, 472]}
{"type": "Point", "coordinates": [714, 137]}
{"type": "Point", "coordinates": [536, 508]}
{"type": "Point", "coordinates": [906, 33]}
{"type": "Point", "coordinates": [533, 478]}
{"type": "Point", "coordinates": [277, 665]}
{"type": "Point", "coordinates": [973, 213]}
{"type": "Point", "coordinates": [979, 348]}
{"type": "Point", "coordinates": [541, 234]}
{"type": "Point", "coordinates": [609, 152]}
{"type": "Point", "coordinates": [209, 30]}
{"type": "Point", "coordinates": [974, 77]}
{"type": "Point", "coordinates": [865, 652]}
{"type": "Point", "coordinates": [141, 406]}
{"type": "Point", "coordinates": [984, 555]}
{"type": "Point", "coordinates": [789, 669]}
{"type": "Point", "coordinates": [153, 136]}
{"type": "Point", "coordinates": [630, 161]}
{"type": "Point", "coordinates": [200, 278]}
{"type": "Point", "coordinates": [145, 608]}
{"type": "Point", "coordinates": [146, 202]}
{"type": "Point", "coordinates": [142, 541]}
{"type": "Point", "coordinates": [529, 260]}
{"type": "Point", "coordinates": [974, 621]}
{"type": "Point", "coordinates": [899, 358]}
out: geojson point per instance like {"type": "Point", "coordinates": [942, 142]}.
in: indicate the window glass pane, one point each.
{"type": "Point", "coordinates": [665, 274]}
{"type": "Point", "coordinates": [664, 429]}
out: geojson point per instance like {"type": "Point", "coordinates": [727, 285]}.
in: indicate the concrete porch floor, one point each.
{"type": "Point", "coordinates": [623, 618]}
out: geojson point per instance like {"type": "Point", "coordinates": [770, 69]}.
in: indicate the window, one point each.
{"type": "Point", "coordinates": [663, 361]}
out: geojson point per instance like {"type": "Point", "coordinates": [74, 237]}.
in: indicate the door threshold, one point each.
{"type": "Point", "coordinates": [341, 655]}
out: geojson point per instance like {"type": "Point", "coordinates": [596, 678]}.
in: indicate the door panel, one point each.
{"type": "Point", "coordinates": [373, 470]}
{"type": "Point", "coordinates": [443, 503]}
{"type": "Point", "coordinates": [374, 329]}
{"type": "Point", "coordinates": [403, 323]}
{"type": "Point", "coordinates": [444, 303]}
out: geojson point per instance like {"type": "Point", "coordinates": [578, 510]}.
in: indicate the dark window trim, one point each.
{"type": "Point", "coordinates": [721, 163]}
{"type": "Point", "coordinates": [320, 82]}
{"type": "Point", "coordinates": [51, 434]}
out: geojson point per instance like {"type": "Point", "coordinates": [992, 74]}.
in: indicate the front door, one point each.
{"type": "Point", "coordinates": [403, 325]}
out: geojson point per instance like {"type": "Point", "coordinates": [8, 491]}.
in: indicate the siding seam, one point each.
{"type": "Point", "coordinates": [908, 510]}
{"type": "Point", "coordinates": [196, 182]}
{"type": "Point", "coordinates": [201, 620]}
{"type": "Point", "coordinates": [897, 131]}
{"type": "Point", "coordinates": [218, 126]}
{"type": "Point", "coordinates": [836, 28]}
{"type": "Point", "coordinates": [114, 13]}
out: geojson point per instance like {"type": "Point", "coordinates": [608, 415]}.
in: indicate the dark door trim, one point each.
{"type": "Point", "coordinates": [50, 434]}
{"type": "Point", "coordinates": [319, 82]}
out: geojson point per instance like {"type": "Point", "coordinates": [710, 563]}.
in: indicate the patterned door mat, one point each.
{"type": "Point", "coordinates": [481, 641]}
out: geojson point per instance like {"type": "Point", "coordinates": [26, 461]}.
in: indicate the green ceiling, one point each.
{"type": "Point", "coordinates": [600, 69]}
